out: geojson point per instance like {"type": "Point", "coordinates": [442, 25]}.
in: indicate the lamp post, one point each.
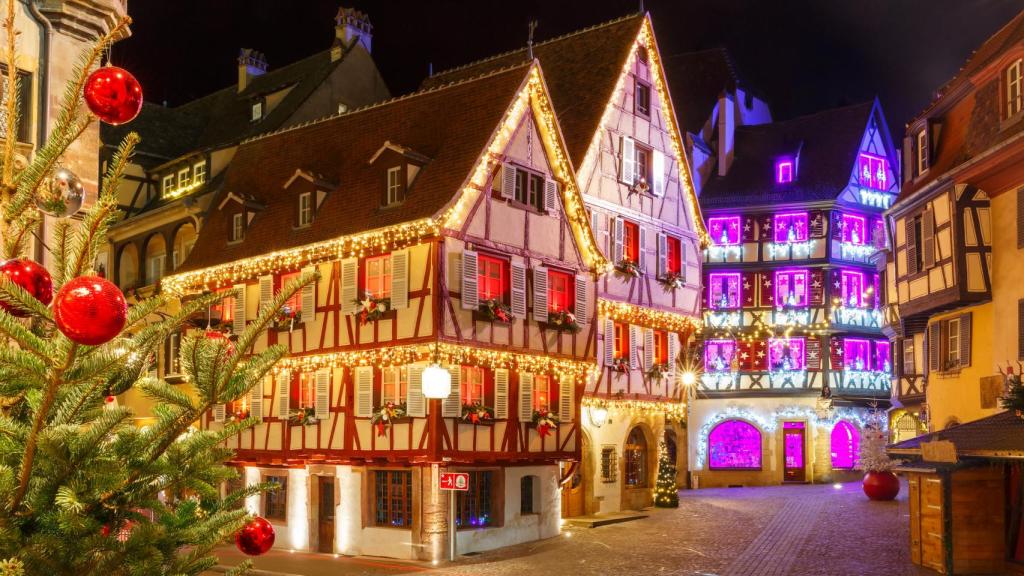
{"type": "Point", "coordinates": [437, 385]}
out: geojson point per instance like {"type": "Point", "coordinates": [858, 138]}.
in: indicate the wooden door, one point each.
{"type": "Point", "coordinates": [795, 463]}
{"type": "Point", "coordinates": [572, 495]}
{"type": "Point", "coordinates": [932, 530]}
{"type": "Point", "coordinates": [325, 493]}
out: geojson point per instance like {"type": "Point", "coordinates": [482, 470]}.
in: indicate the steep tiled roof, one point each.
{"type": "Point", "coordinates": [1000, 435]}
{"type": "Point", "coordinates": [827, 141]}
{"type": "Point", "coordinates": [339, 149]}
{"type": "Point", "coordinates": [696, 80]}
{"type": "Point", "coordinates": [580, 69]}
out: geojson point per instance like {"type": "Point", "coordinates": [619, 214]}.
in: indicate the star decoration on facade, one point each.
{"type": "Point", "coordinates": [744, 356]}
{"type": "Point", "coordinates": [837, 284]}
{"type": "Point", "coordinates": [760, 353]}
{"type": "Point", "coordinates": [816, 283]}
{"type": "Point", "coordinates": [746, 226]}
{"type": "Point", "coordinates": [767, 283]}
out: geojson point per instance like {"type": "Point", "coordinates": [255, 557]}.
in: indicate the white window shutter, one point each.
{"type": "Point", "coordinates": [218, 412]}
{"type": "Point", "coordinates": [470, 280]}
{"type": "Point", "coordinates": [322, 397]}
{"type": "Point", "coordinates": [349, 284]}
{"type": "Point", "coordinates": [238, 323]}
{"type": "Point", "coordinates": [627, 170]}
{"type": "Point", "coordinates": [364, 391]}
{"type": "Point", "coordinates": [518, 289]}
{"type": "Point", "coordinates": [540, 293]}
{"type": "Point", "coordinates": [500, 393]}
{"type": "Point", "coordinates": [508, 181]}
{"type": "Point", "coordinates": [648, 348]}
{"type": "Point", "coordinates": [662, 254]}
{"type": "Point", "coordinates": [525, 397]}
{"type": "Point", "coordinates": [566, 396]}
{"type": "Point", "coordinates": [617, 241]}
{"type": "Point", "coordinates": [634, 341]}
{"type": "Point", "coordinates": [550, 196]}
{"type": "Point", "coordinates": [415, 402]}
{"type": "Point", "coordinates": [283, 397]}
{"type": "Point", "coordinates": [595, 227]}
{"type": "Point", "coordinates": [658, 167]}
{"type": "Point", "coordinates": [642, 250]}
{"type": "Point", "coordinates": [580, 305]}
{"type": "Point", "coordinates": [308, 297]}
{"type": "Point", "coordinates": [400, 279]}
{"type": "Point", "coordinates": [682, 257]}
{"type": "Point", "coordinates": [451, 407]}
{"type": "Point", "coordinates": [256, 400]}
{"type": "Point", "coordinates": [609, 342]}
{"type": "Point", "coordinates": [266, 290]}
{"type": "Point", "coordinates": [673, 351]}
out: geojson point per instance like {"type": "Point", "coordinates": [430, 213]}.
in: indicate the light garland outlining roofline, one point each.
{"type": "Point", "coordinates": [646, 317]}
{"type": "Point", "coordinates": [671, 409]}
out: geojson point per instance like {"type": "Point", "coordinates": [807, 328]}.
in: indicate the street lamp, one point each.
{"type": "Point", "coordinates": [437, 386]}
{"type": "Point", "coordinates": [437, 382]}
{"type": "Point", "coordinates": [598, 415]}
{"type": "Point", "coordinates": [689, 378]}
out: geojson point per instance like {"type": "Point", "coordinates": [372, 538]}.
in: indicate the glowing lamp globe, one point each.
{"type": "Point", "coordinates": [437, 382]}
{"type": "Point", "coordinates": [598, 416]}
{"type": "Point", "coordinates": [689, 378]}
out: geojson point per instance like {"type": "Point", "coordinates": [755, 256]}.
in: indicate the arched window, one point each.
{"type": "Point", "coordinates": [907, 426]}
{"type": "Point", "coordinates": [845, 445]}
{"type": "Point", "coordinates": [184, 239]}
{"type": "Point", "coordinates": [156, 258]}
{"type": "Point", "coordinates": [635, 453]}
{"type": "Point", "coordinates": [128, 267]}
{"type": "Point", "coordinates": [734, 444]}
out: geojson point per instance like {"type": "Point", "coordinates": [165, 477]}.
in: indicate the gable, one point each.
{"type": "Point", "coordinates": [874, 182]}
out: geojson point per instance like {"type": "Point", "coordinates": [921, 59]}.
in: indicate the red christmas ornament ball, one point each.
{"type": "Point", "coordinates": [216, 335]}
{"type": "Point", "coordinates": [32, 278]}
{"type": "Point", "coordinates": [113, 94]}
{"type": "Point", "coordinates": [256, 537]}
{"type": "Point", "coordinates": [90, 310]}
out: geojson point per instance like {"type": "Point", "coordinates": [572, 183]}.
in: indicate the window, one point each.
{"type": "Point", "coordinates": [872, 171]}
{"type": "Point", "coordinates": [621, 341]}
{"type": "Point", "coordinates": [631, 242]}
{"type": "Point", "coordinates": [734, 445]}
{"type": "Point", "coordinates": [718, 355]}
{"type": "Point", "coordinates": [395, 385]}
{"type": "Point", "coordinates": [661, 348]}
{"type": "Point", "coordinates": [854, 229]}
{"type": "Point", "coordinates": [305, 209]}
{"type": "Point", "coordinates": [635, 455]}
{"type": "Point", "coordinates": [224, 309]}
{"type": "Point", "coordinates": [257, 111]}
{"type": "Point", "coordinates": [922, 151]}
{"type": "Point", "coordinates": [609, 464]}
{"type": "Point", "coordinates": [845, 445]}
{"type": "Point", "coordinates": [492, 278]}
{"type": "Point", "coordinates": [394, 186]}
{"type": "Point", "coordinates": [953, 343]}
{"type": "Point", "coordinates": [784, 171]}
{"type": "Point", "coordinates": [641, 54]}
{"type": "Point", "coordinates": [852, 283]}
{"type": "Point", "coordinates": [881, 361]}
{"type": "Point", "coordinates": [199, 173]}
{"type": "Point", "coordinates": [1013, 93]}
{"type": "Point", "coordinates": [544, 389]}
{"type": "Point", "coordinates": [378, 277]}
{"type": "Point", "coordinates": [642, 104]}
{"type": "Point", "coordinates": [526, 494]}
{"type": "Point", "coordinates": [474, 506]}
{"type": "Point", "coordinates": [302, 393]}
{"type": "Point", "coordinates": [392, 496]}
{"type": "Point", "coordinates": [529, 189]}
{"type": "Point", "coordinates": [472, 383]}
{"type": "Point", "coordinates": [167, 187]}
{"type": "Point", "coordinates": [949, 344]}
{"type": "Point", "coordinates": [724, 230]}
{"type": "Point", "coordinates": [723, 290]}
{"type": "Point", "coordinates": [24, 96]}
{"type": "Point", "coordinates": [275, 502]}
{"type": "Point", "coordinates": [172, 360]}
{"type": "Point", "coordinates": [909, 363]}
{"type": "Point", "coordinates": [643, 164]}
{"type": "Point", "coordinates": [915, 245]}
{"type": "Point", "coordinates": [155, 268]}
{"type": "Point", "coordinates": [855, 353]}
{"type": "Point", "coordinates": [560, 291]}
{"type": "Point", "coordinates": [236, 484]}
{"type": "Point", "coordinates": [673, 255]}
{"type": "Point", "coordinates": [293, 304]}
{"type": "Point", "coordinates": [184, 179]}
{"type": "Point", "coordinates": [237, 227]}
{"type": "Point", "coordinates": [786, 354]}
{"type": "Point", "coordinates": [790, 288]}
{"type": "Point", "coordinates": [1020, 329]}
{"type": "Point", "coordinates": [791, 227]}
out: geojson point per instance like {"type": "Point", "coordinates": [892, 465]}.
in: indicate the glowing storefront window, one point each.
{"type": "Point", "coordinates": [723, 290]}
{"type": "Point", "coordinates": [734, 444]}
{"type": "Point", "coordinates": [786, 354]}
{"type": "Point", "coordinates": [790, 288]}
{"type": "Point", "coordinates": [724, 230]}
{"type": "Point", "coordinates": [718, 355]}
{"type": "Point", "coordinates": [845, 445]}
{"type": "Point", "coordinates": [790, 227]}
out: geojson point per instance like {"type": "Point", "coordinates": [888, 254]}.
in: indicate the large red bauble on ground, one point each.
{"type": "Point", "coordinates": [881, 485]}
{"type": "Point", "coordinates": [113, 94]}
{"type": "Point", "coordinates": [32, 278]}
{"type": "Point", "coordinates": [90, 310]}
{"type": "Point", "coordinates": [256, 537]}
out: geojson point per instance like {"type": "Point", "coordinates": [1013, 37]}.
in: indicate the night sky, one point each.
{"type": "Point", "coordinates": [800, 55]}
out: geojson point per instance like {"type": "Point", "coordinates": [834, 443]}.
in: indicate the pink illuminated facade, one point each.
{"type": "Point", "coordinates": [724, 230]}
{"type": "Point", "coordinates": [845, 440]}
{"type": "Point", "coordinates": [734, 445]}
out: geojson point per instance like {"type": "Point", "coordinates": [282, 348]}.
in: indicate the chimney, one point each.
{"type": "Point", "coordinates": [350, 27]}
{"type": "Point", "coordinates": [726, 133]}
{"type": "Point", "coordinates": [250, 64]}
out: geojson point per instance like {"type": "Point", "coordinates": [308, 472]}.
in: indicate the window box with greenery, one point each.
{"type": "Point", "coordinates": [285, 319]}
{"type": "Point", "coordinates": [371, 309]}
{"type": "Point", "coordinates": [545, 421]}
{"type": "Point", "coordinates": [302, 416]}
{"type": "Point", "coordinates": [672, 280]}
{"type": "Point", "coordinates": [478, 414]}
{"type": "Point", "coordinates": [387, 415]}
{"type": "Point", "coordinates": [658, 372]}
{"type": "Point", "coordinates": [628, 268]}
{"type": "Point", "coordinates": [620, 365]}
{"type": "Point", "coordinates": [563, 321]}
{"type": "Point", "coordinates": [494, 310]}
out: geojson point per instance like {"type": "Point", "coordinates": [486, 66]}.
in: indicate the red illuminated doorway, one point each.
{"type": "Point", "coordinates": [794, 459]}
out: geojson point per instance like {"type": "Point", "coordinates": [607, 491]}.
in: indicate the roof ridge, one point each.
{"type": "Point", "coordinates": [548, 41]}
{"type": "Point", "coordinates": [810, 115]}
{"type": "Point", "coordinates": [387, 102]}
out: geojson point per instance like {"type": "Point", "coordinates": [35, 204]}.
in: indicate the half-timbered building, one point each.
{"type": "Point", "coordinates": [792, 346]}
{"type": "Point", "coordinates": [609, 89]}
{"type": "Point", "coordinates": [459, 239]}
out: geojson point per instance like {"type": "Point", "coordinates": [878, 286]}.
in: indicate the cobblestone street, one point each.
{"type": "Point", "coordinates": [805, 530]}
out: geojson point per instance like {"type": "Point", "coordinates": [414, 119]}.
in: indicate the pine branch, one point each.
{"type": "Point", "coordinates": [11, 102]}
{"type": "Point", "coordinates": [11, 293]}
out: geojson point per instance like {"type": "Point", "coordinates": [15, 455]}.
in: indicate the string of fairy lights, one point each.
{"type": "Point", "coordinates": [671, 410]}
{"type": "Point", "coordinates": [646, 317]}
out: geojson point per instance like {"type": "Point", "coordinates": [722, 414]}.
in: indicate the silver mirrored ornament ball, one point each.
{"type": "Point", "coordinates": [61, 194]}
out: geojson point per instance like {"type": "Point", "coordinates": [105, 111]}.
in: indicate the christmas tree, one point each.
{"type": "Point", "coordinates": [873, 439]}
{"type": "Point", "coordinates": [666, 493]}
{"type": "Point", "coordinates": [82, 489]}
{"type": "Point", "coordinates": [1013, 399]}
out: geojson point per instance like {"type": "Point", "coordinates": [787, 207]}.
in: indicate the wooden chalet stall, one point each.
{"type": "Point", "coordinates": [430, 248]}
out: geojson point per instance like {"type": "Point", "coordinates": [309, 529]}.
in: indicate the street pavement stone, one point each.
{"type": "Point", "coordinates": [793, 530]}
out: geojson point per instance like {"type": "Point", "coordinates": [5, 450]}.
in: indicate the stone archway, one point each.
{"type": "Point", "coordinates": [639, 466]}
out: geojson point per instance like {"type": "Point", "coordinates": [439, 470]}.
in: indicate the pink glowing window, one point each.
{"type": "Point", "coordinates": [723, 290]}
{"type": "Point", "coordinates": [873, 171]}
{"type": "Point", "coordinates": [786, 353]}
{"type": "Point", "coordinates": [881, 361]}
{"type": "Point", "coordinates": [856, 353]}
{"type": "Point", "coordinates": [724, 230]}
{"type": "Point", "coordinates": [734, 444]}
{"type": "Point", "coordinates": [718, 355]}
{"type": "Point", "coordinates": [854, 229]}
{"type": "Point", "coordinates": [790, 288]}
{"type": "Point", "coordinates": [784, 170]}
{"type": "Point", "coordinates": [853, 288]}
{"type": "Point", "coordinates": [845, 445]}
{"type": "Point", "coordinates": [791, 227]}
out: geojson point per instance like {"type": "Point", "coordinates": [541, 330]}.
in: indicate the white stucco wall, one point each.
{"type": "Point", "coordinates": [517, 527]}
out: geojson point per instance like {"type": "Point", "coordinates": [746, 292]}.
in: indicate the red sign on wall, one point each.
{"type": "Point", "coordinates": [455, 481]}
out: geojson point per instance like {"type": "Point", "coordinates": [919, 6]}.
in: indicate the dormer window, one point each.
{"type": "Point", "coordinates": [257, 111]}
{"type": "Point", "coordinates": [305, 209]}
{"type": "Point", "coordinates": [641, 54]}
{"type": "Point", "coordinates": [237, 227]}
{"type": "Point", "coordinates": [922, 151]}
{"type": "Point", "coordinates": [184, 178]}
{"type": "Point", "coordinates": [1013, 92]}
{"type": "Point", "coordinates": [199, 173]}
{"type": "Point", "coordinates": [642, 104]}
{"type": "Point", "coordinates": [395, 189]}
{"type": "Point", "coordinates": [784, 171]}
{"type": "Point", "coordinates": [168, 185]}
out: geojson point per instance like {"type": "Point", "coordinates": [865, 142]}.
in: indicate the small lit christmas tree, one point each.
{"type": "Point", "coordinates": [666, 492]}
{"type": "Point", "coordinates": [873, 439]}
{"type": "Point", "coordinates": [1014, 397]}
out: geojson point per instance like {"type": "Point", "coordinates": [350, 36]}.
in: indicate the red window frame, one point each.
{"type": "Point", "coordinates": [226, 307]}
{"type": "Point", "coordinates": [295, 302]}
{"type": "Point", "coordinates": [673, 255]}
{"type": "Point", "coordinates": [302, 390]}
{"type": "Point", "coordinates": [561, 291]}
{"type": "Point", "coordinates": [621, 340]}
{"type": "Point", "coordinates": [660, 347]}
{"type": "Point", "coordinates": [472, 393]}
{"type": "Point", "coordinates": [492, 278]}
{"type": "Point", "coordinates": [383, 279]}
{"type": "Point", "coordinates": [631, 241]}
{"type": "Point", "coordinates": [545, 392]}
